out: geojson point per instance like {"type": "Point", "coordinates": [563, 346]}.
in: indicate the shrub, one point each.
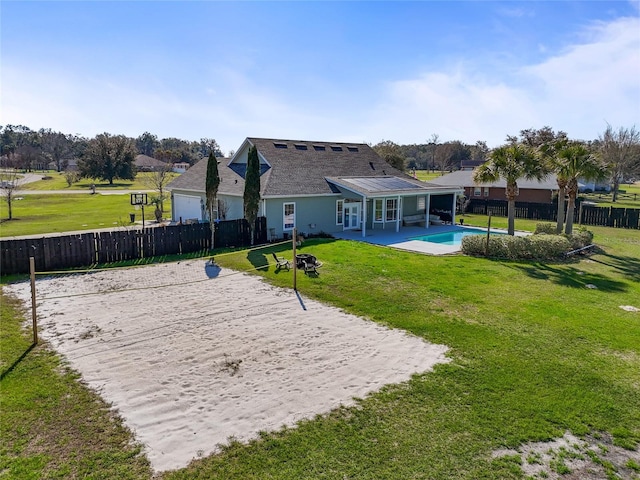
{"type": "Point", "coordinates": [548, 228]}
{"type": "Point", "coordinates": [533, 247]}
{"type": "Point", "coordinates": [580, 239]}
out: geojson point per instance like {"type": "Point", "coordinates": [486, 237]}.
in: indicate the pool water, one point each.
{"type": "Point", "coordinates": [450, 238]}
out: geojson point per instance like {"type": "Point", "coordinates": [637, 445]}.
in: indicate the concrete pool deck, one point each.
{"type": "Point", "coordinates": [402, 239]}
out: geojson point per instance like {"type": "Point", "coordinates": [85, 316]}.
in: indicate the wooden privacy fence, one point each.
{"type": "Point", "coordinates": [82, 250]}
{"type": "Point", "coordinates": [584, 215]}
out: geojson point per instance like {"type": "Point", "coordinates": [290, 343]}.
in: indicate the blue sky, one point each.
{"type": "Point", "coordinates": [334, 71]}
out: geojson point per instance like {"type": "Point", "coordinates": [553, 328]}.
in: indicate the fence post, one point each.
{"type": "Point", "coordinates": [32, 271]}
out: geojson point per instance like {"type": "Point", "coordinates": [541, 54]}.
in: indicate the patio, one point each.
{"type": "Point", "coordinates": [402, 239]}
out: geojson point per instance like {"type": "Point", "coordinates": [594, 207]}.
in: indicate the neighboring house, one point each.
{"type": "Point", "coordinates": [314, 186]}
{"type": "Point", "coordinates": [181, 167]}
{"type": "Point", "coordinates": [529, 190]}
{"type": "Point", "coordinates": [145, 163]}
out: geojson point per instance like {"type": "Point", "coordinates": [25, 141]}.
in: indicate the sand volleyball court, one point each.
{"type": "Point", "coordinates": [190, 361]}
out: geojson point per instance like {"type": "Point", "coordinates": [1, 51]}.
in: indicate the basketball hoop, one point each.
{"type": "Point", "coordinates": [140, 199]}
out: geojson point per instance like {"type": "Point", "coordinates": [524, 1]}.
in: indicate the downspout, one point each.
{"type": "Point", "coordinates": [399, 215]}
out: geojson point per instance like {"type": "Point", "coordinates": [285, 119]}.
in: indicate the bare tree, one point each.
{"type": "Point", "coordinates": [158, 180]}
{"type": "Point", "coordinates": [9, 181]}
{"type": "Point", "coordinates": [620, 151]}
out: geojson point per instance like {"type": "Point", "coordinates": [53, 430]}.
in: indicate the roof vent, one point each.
{"type": "Point", "coordinates": [336, 148]}
{"type": "Point", "coordinates": [352, 149]}
{"type": "Point", "coordinates": [279, 145]}
{"type": "Point", "coordinates": [372, 166]}
{"type": "Point", "coordinates": [319, 148]}
{"type": "Point", "coordinates": [300, 146]}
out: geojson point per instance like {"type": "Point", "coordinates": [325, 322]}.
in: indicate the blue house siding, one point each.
{"type": "Point", "coordinates": [312, 215]}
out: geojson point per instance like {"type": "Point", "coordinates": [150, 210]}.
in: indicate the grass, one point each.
{"type": "Point", "coordinates": [533, 353]}
{"type": "Point", "coordinates": [52, 425]}
{"type": "Point", "coordinates": [39, 214]}
{"type": "Point", "coordinates": [426, 175]}
{"type": "Point", "coordinates": [630, 198]}
{"type": "Point", "coordinates": [56, 181]}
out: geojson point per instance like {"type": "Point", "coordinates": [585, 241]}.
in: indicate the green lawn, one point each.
{"type": "Point", "coordinates": [628, 198]}
{"type": "Point", "coordinates": [39, 214]}
{"type": "Point", "coordinates": [56, 181]}
{"type": "Point", "coordinates": [534, 353]}
{"type": "Point", "coordinates": [426, 175]}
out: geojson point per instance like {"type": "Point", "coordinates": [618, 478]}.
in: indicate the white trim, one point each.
{"type": "Point", "coordinates": [284, 216]}
{"type": "Point", "coordinates": [340, 211]}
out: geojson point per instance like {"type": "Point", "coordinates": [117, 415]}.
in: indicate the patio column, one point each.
{"type": "Point", "coordinates": [364, 216]}
{"type": "Point", "coordinates": [453, 208]}
{"type": "Point", "coordinates": [427, 205]}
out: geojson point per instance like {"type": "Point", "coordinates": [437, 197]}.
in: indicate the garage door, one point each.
{"type": "Point", "coordinates": [186, 207]}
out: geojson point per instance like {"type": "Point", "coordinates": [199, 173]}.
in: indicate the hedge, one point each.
{"type": "Point", "coordinates": [540, 246]}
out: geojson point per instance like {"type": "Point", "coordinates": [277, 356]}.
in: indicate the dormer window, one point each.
{"type": "Point", "coordinates": [336, 148]}
{"type": "Point", "coordinates": [319, 148]}
{"type": "Point", "coordinates": [300, 146]}
{"type": "Point", "coordinates": [279, 145]}
{"type": "Point", "coordinates": [352, 149]}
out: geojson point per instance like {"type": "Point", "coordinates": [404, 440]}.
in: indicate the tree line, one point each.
{"type": "Point", "coordinates": [26, 149]}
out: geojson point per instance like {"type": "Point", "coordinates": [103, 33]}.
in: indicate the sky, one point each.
{"type": "Point", "coordinates": [353, 71]}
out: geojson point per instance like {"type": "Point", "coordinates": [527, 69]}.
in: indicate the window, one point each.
{"type": "Point", "coordinates": [289, 216]}
{"type": "Point", "coordinates": [352, 149]}
{"type": "Point", "coordinates": [336, 148]}
{"type": "Point", "coordinates": [422, 204]}
{"type": "Point", "coordinates": [392, 209]}
{"type": "Point", "coordinates": [280, 145]}
{"type": "Point", "coordinates": [339, 211]}
{"type": "Point", "coordinates": [486, 191]}
{"type": "Point", "coordinates": [477, 191]}
{"type": "Point", "coordinates": [377, 210]}
{"type": "Point", "coordinates": [300, 146]}
{"type": "Point", "coordinates": [319, 148]}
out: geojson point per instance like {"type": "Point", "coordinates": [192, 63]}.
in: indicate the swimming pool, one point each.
{"type": "Point", "coordinates": [453, 238]}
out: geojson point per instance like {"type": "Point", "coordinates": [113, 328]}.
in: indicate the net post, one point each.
{"type": "Point", "coordinates": [295, 264]}
{"type": "Point", "coordinates": [32, 271]}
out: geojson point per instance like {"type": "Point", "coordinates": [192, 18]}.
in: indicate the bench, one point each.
{"type": "Point", "coordinates": [418, 219]}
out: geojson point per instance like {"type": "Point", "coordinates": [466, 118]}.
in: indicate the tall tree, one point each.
{"type": "Point", "coordinates": [511, 162]}
{"type": "Point", "coordinates": [252, 189]}
{"type": "Point", "coordinates": [574, 162]}
{"type": "Point", "coordinates": [56, 147]}
{"type": "Point", "coordinates": [109, 157]}
{"type": "Point", "coordinates": [550, 153]}
{"type": "Point", "coordinates": [147, 143]}
{"type": "Point", "coordinates": [391, 153]}
{"type": "Point", "coordinates": [620, 151]}
{"type": "Point", "coordinates": [212, 182]}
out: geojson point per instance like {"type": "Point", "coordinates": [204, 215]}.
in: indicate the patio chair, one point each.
{"type": "Point", "coordinates": [281, 262]}
{"type": "Point", "coordinates": [308, 263]}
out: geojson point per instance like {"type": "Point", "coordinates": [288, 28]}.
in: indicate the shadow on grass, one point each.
{"type": "Point", "coordinates": [17, 362]}
{"type": "Point", "coordinates": [570, 278]}
{"type": "Point", "coordinates": [627, 266]}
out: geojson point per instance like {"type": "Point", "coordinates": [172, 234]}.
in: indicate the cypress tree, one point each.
{"type": "Point", "coordinates": [212, 183]}
{"type": "Point", "coordinates": [252, 189]}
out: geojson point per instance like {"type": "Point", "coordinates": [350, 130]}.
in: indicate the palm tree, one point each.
{"type": "Point", "coordinates": [511, 162]}
{"type": "Point", "coordinates": [575, 162]}
{"type": "Point", "coordinates": [550, 152]}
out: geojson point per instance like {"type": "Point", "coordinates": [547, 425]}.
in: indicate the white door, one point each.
{"type": "Point", "coordinates": [351, 216]}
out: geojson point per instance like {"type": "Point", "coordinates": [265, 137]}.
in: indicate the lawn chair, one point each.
{"type": "Point", "coordinates": [308, 263]}
{"type": "Point", "coordinates": [281, 262]}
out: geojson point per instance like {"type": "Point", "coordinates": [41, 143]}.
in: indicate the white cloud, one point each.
{"type": "Point", "coordinates": [576, 91]}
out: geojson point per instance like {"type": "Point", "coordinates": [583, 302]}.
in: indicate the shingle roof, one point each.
{"type": "Point", "coordinates": [194, 179]}
{"type": "Point", "coordinates": [464, 178]}
{"type": "Point", "coordinates": [301, 167]}
{"type": "Point", "coordinates": [296, 167]}
{"type": "Point", "coordinates": [146, 161]}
